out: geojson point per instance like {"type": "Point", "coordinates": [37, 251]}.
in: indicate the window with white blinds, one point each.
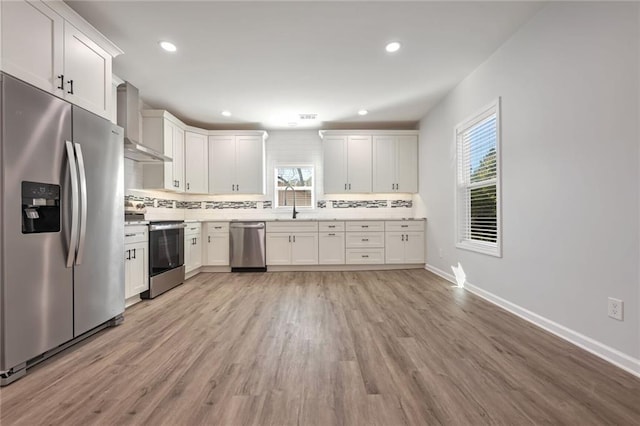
{"type": "Point", "coordinates": [478, 182]}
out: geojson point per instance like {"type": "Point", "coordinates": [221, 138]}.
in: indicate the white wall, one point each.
{"type": "Point", "coordinates": [569, 84]}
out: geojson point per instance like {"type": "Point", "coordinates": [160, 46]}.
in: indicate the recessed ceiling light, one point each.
{"type": "Point", "coordinates": [394, 46]}
{"type": "Point", "coordinates": [226, 113]}
{"type": "Point", "coordinates": [169, 47]}
{"type": "Point", "coordinates": [363, 112]}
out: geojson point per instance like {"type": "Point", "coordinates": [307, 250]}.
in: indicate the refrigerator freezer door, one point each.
{"type": "Point", "coordinates": [37, 287]}
{"type": "Point", "coordinates": [99, 279]}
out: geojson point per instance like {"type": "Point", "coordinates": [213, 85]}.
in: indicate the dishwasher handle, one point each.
{"type": "Point", "coordinates": [247, 225]}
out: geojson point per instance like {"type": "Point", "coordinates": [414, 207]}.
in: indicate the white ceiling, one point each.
{"type": "Point", "coordinates": [266, 62]}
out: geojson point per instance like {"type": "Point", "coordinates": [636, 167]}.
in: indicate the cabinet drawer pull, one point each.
{"type": "Point", "coordinates": [61, 77]}
{"type": "Point", "coordinates": [365, 239]}
{"type": "Point", "coordinates": [70, 91]}
{"type": "Point", "coordinates": [209, 239]}
{"type": "Point", "coordinates": [364, 226]}
{"type": "Point", "coordinates": [129, 235]}
{"type": "Point", "coordinates": [365, 255]}
{"type": "Point", "coordinates": [217, 227]}
{"type": "Point", "coordinates": [332, 235]}
{"type": "Point", "coordinates": [404, 226]}
{"type": "Point", "coordinates": [128, 254]}
{"type": "Point", "coordinates": [402, 237]}
{"type": "Point", "coordinates": [332, 226]}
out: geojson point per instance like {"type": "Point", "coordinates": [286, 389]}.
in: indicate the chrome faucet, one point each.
{"type": "Point", "coordinates": [286, 182]}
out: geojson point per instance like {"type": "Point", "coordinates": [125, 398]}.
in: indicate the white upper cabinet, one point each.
{"type": "Point", "coordinates": [50, 46]}
{"type": "Point", "coordinates": [164, 133]}
{"type": "Point", "coordinates": [395, 163]}
{"type": "Point", "coordinates": [87, 72]}
{"type": "Point", "coordinates": [362, 161]}
{"type": "Point", "coordinates": [236, 162]}
{"type": "Point", "coordinates": [335, 164]}
{"type": "Point", "coordinates": [32, 43]}
{"type": "Point", "coordinates": [196, 163]}
{"type": "Point", "coordinates": [347, 163]}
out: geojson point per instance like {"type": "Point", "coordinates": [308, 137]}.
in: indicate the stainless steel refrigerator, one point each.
{"type": "Point", "coordinates": [62, 226]}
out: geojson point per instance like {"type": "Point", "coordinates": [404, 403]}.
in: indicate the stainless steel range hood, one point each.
{"type": "Point", "coordinates": [128, 118]}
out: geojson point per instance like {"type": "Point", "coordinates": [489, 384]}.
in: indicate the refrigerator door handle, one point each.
{"type": "Point", "coordinates": [73, 238]}
{"type": "Point", "coordinates": [83, 204]}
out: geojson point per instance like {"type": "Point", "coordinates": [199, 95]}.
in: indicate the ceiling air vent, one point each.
{"type": "Point", "coordinates": [308, 116]}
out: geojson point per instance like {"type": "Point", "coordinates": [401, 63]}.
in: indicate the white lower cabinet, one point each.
{"type": "Point", "coordinates": [192, 247]}
{"type": "Point", "coordinates": [292, 249]}
{"type": "Point", "coordinates": [217, 244]}
{"type": "Point", "coordinates": [136, 260]}
{"type": "Point", "coordinates": [292, 243]}
{"type": "Point", "coordinates": [404, 242]}
{"type": "Point", "coordinates": [331, 248]}
{"type": "Point", "coordinates": [365, 242]}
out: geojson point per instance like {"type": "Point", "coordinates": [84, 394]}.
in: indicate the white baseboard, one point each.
{"type": "Point", "coordinates": [607, 353]}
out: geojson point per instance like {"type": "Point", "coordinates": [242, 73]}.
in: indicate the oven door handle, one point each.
{"type": "Point", "coordinates": [164, 227]}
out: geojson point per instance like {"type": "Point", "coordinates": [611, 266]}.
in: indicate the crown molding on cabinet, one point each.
{"type": "Point", "coordinates": [86, 28]}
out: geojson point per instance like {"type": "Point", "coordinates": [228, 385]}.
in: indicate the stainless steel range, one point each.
{"type": "Point", "coordinates": [166, 257]}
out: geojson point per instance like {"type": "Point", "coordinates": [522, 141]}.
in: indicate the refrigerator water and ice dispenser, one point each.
{"type": "Point", "coordinates": [40, 207]}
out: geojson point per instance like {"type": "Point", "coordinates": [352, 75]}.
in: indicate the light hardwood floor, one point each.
{"type": "Point", "coordinates": [357, 348]}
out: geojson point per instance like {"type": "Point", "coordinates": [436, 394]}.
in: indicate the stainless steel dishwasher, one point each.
{"type": "Point", "coordinates": [247, 247]}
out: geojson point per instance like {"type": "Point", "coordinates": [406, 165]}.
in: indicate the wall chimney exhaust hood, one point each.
{"type": "Point", "coordinates": [129, 120]}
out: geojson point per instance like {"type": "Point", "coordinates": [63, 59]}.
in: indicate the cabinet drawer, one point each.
{"type": "Point", "coordinates": [331, 226]}
{"type": "Point", "coordinates": [365, 239]}
{"type": "Point", "coordinates": [404, 225]}
{"type": "Point", "coordinates": [365, 256]}
{"type": "Point", "coordinates": [193, 229]}
{"type": "Point", "coordinates": [365, 226]}
{"type": "Point", "coordinates": [292, 226]}
{"type": "Point", "coordinates": [218, 227]}
{"type": "Point", "coordinates": [136, 234]}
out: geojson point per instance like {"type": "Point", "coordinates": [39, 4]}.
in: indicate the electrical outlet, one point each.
{"type": "Point", "coordinates": [616, 309]}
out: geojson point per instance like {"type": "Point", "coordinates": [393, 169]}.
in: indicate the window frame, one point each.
{"type": "Point", "coordinates": [478, 246]}
{"type": "Point", "coordinates": [312, 188]}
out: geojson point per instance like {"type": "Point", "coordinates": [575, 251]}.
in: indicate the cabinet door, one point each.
{"type": "Point", "coordinates": [178, 158]}
{"type": "Point", "coordinates": [278, 249]}
{"type": "Point", "coordinates": [359, 164]}
{"type": "Point", "coordinates": [384, 164]}
{"type": "Point", "coordinates": [139, 272]}
{"type": "Point", "coordinates": [196, 252]}
{"type": "Point", "coordinates": [188, 243]}
{"type": "Point", "coordinates": [222, 164]}
{"type": "Point", "coordinates": [407, 163]}
{"type": "Point", "coordinates": [87, 72]}
{"type": "Point", "coordinates": [394, 247]}
{"type": "Point", "coordinates": [414, 247]}
{"type": "Point", "coordinates": [32, 44]}
{"type": "Point", "coordinates": [128, 282]}
{"type": "Point", "coordinates": [249, 165]}
{"type": "Point", "coordinates": [304, 249]}
{"type": "Point", "coordinates": [218, 249]}
{"type": "Point", "coordinates": [331, 248]}
{"type": "Point", "coordinates": [195, 160]}
{"type": "Point", "coordinates": [335, 164]}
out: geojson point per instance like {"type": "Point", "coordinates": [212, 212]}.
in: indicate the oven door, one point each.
{"type": "Point", "coordinates": [166, 248]}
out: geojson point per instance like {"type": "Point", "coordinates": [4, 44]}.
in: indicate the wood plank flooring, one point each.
{"type": "Point", "coordinates": [331, 348]}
